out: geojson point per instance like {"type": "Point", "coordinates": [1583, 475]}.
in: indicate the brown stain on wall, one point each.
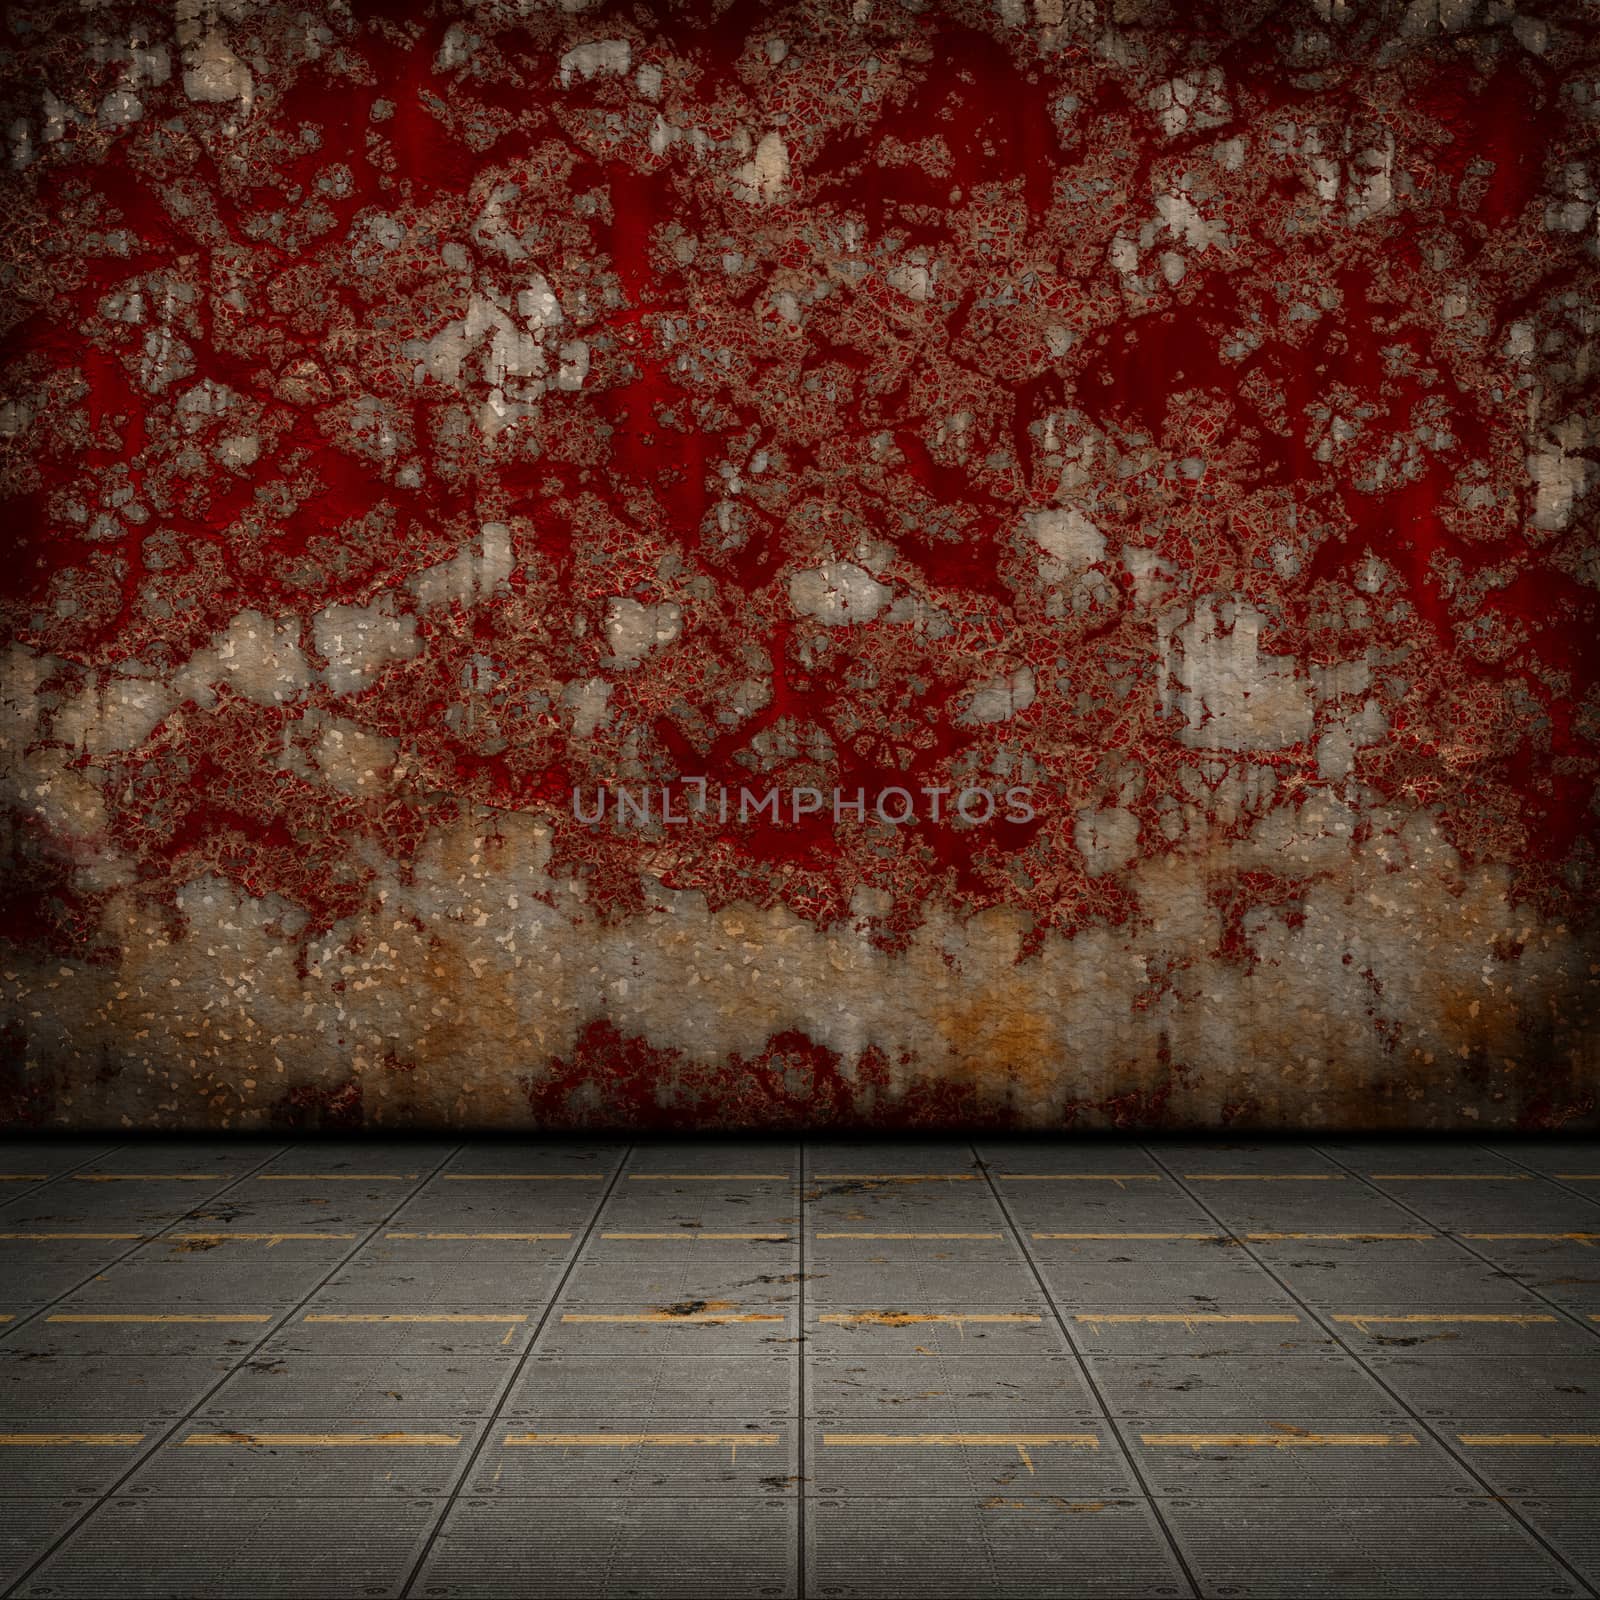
{"type": "Point", "coordinates": [873, 392]}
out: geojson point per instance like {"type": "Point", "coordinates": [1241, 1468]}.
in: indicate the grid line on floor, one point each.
{"type": "Point", "coordinates": [883, 1369]}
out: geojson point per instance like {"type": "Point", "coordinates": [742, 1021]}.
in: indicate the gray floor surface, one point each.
{"type": "Point", "coordinates": [830, 1368]}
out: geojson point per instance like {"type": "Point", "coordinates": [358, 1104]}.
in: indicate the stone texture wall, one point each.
{"type": "Point", "coordinates": [423, 425]}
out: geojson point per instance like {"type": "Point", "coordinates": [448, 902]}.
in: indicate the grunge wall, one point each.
{"type": "Point", "coordinates": [1187, 414]}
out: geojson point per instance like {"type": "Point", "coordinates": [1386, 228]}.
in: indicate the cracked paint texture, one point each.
{"type": "Point", "coordinates": [412, 415]}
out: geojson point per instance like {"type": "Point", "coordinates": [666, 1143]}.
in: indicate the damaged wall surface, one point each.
{"type": "Point", "coordinates": [455, 453]}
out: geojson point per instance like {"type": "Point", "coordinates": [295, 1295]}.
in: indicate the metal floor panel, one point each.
{"type": "Point", "coordinates": [735, 1549]}
{"type": "Point", "coordinates": [40, 1268]}
{"type": "Point", "coordinates": [597, 1159]}
{"type": "Point", "coordinates": [495, 1207]}
{"type": "Point", "coordinates": [929, 1271]}
{"type": "Point", "coordinates": [1361, 1549]}
{"type": "Point", "coordinates": [350, 1160]}
{"type": "Point", "coordinates": [1510, 1200]}
{"type": "Point", "coordinates": [941, 1384]}
{"type": "Point", "coordinates": [67, 1203]}
{"type": "Point", "coordinates": [683, 1327]}
{"type": "Point", "coordinates": [706, 1385]}
{"type": "Point", "coordinates": [446, 1269]}
{"type": "Point", "coordinates": [194, 1267]}
{"type": "Point", "coordinates": [1373, 1159]}
{"type": "Point", "coordinates": [1558, 1387]}
{"type": "Point", "coordinates": [1030, 1368]}
{"type": "Point", "coordinates": [714, 1157]}
{"type": "Point", "coordinates": [35, 1383]}
{"type": "Point", "coordinates": [339, 1457]}
{"type": "Point", "coordinates": [1315, 1457]}
{"type": "Point", "coordinates": [1549, 1157]}
{"type": "Point", "coordinates": [1563, 1270]}
{"type": "Point", "coordinates": [966, 1458]}
{"type": "Point", "coordinates": [1229, 1329]}
{"type": "Point", "coordinates": [1000, 1546]}
{"type": "Point", "coordinates": [1378, 1271]}
{"type": "Point", "coordinates": [150, 1549]}
{"type": "Point", "coordinates": [674, 1211]}
{"type": "Point", "coordinates": [357, 1386]}
{"type": "Point", "coordinates": [1573, 1528]}
{"type": "Point", "coordinates": [48, 1457]}
{"type": "Point", "coordinates": [1099, 1156]}
{"type": "Point", "coordinates": [893, 1202]}
{"type": "Point", "coordinates": [887, 1327]}
{"type": "Point", "coordinates": [29, 1527]}
{"type": "Point", "coordinates": [1528, 1455]}
{"type": "Point", "coordinates": [1133, 1268]}
{"type": "Point", "coordinates": [1084, 1205]}
{"type": "Point", "coordinates": [247, 1208]}
{"type": "Point", "coordinates": [877, 1160]}
{"type": "Point", "coordinates": [1270, 1206]}
{"type": "Point", "coordinates": [652, 1456]}
{"type": "Point", "coordinates": [1462, 1330]}
{"type": "Point", "coordinates": [335, 1327]}
{"type": "Point", "coordinates": [50, 1156]}
{"type": "Point", "coordinates": [76, 1327]}
{"type": "Point", "coordinates": [1224, 1385]}
{"type": "Point", "coordinates": [668, 1270]}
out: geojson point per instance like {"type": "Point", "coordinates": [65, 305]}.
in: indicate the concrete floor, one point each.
{"type": "Point", "coordinates": [767, 1369]}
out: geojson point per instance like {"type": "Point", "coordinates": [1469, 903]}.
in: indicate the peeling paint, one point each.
{"type": "Point", "coordinates": [409, 423]}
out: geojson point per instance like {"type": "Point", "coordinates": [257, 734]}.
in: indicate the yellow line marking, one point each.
{"type": "Point", "coordinates": [1276, 1441]}
{"type": "Point", "coordinates": [5, 1316]}
{"type": "Point", "coordinates": [1365, 1236]}
{"type": "Point", "coordinates": [335, 1177]}
{"type": "Point", "coordinates": [895, 1177]}
{"type": "Point", "coordinates": [668, 1316]}
{"type": "Point", "coordinates": [1577, 1238]}
{"type": "Point", "coordinates": [1130, 1236]}
{"type": "Point", "coordinates": [1452, 1177]}
{"type": "Point", "coordinates": [256, 1238]}
{"type": "Point", "coordinates": [24, 1177]}
{"type": "Point", "coordinates": [1579, 1177]}
{"type": "Point", "coordinates": [75, 1236]}
{"type": "Point", "coordinates": [1521, 1320]}
{"type": "Point", "coordinates": [290, 1440]}
{"type": "Point", "coordinates": [146, 1177]}
{"type": "Point", "coordinates": [910, 1236]}
{"type": "Point", "coordinates": [728, 1441]}
{"type": "Point", "coordinates": [1584, 1440]}
{"type": "Point", "coordinates": [1264, 1177]}
{"type": "Point", "coordinates": [900, 1319]}
{"type": "Point", "coordinates": [709, 1177]}
{"type": "Point", "coordinates": [70, 1438]}
{"type": "Point", "coordinates": [477, 1236]}
{"type": "Point", "coordinates": [1080, 1441]}
{"type": "Point", "coordinates": [164, 1316]}
{"type": "Point", "coordinates": [1187, 1318]}
{"type": "Point", "coordinates": [1020, 1442]}
{"type": "Point", "coordinates": [414, 1316]}
{"type": "Point", "coordinates": [689, 1236]}
{"type": "Point", "coordinates": [522, 1177]}
{"type": "Point", "coordinates": [1082, 1177]}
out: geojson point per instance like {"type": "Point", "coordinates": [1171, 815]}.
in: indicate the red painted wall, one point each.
{"type": "Point", "coordinates": [423, 426]}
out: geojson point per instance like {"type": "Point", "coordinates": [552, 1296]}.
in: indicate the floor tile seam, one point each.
{"type": "Point", "coordinates": [1564, 1313]}
{"type": "Point", "coordinates": [1422, 1423]}
{"type": "Point", "coordinates": [160, 1443]}
{"type": "Point", "coordinates": [496, 1411]}
{"type": "Point", "coordinates": [1590, 1328]}
{"type": "Point", "coordinates": [48, 1305]}
{"type": "Point", "coordinates": [1175, 1550]}
{"type": "Point", "coordinates": [799, 1352]}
